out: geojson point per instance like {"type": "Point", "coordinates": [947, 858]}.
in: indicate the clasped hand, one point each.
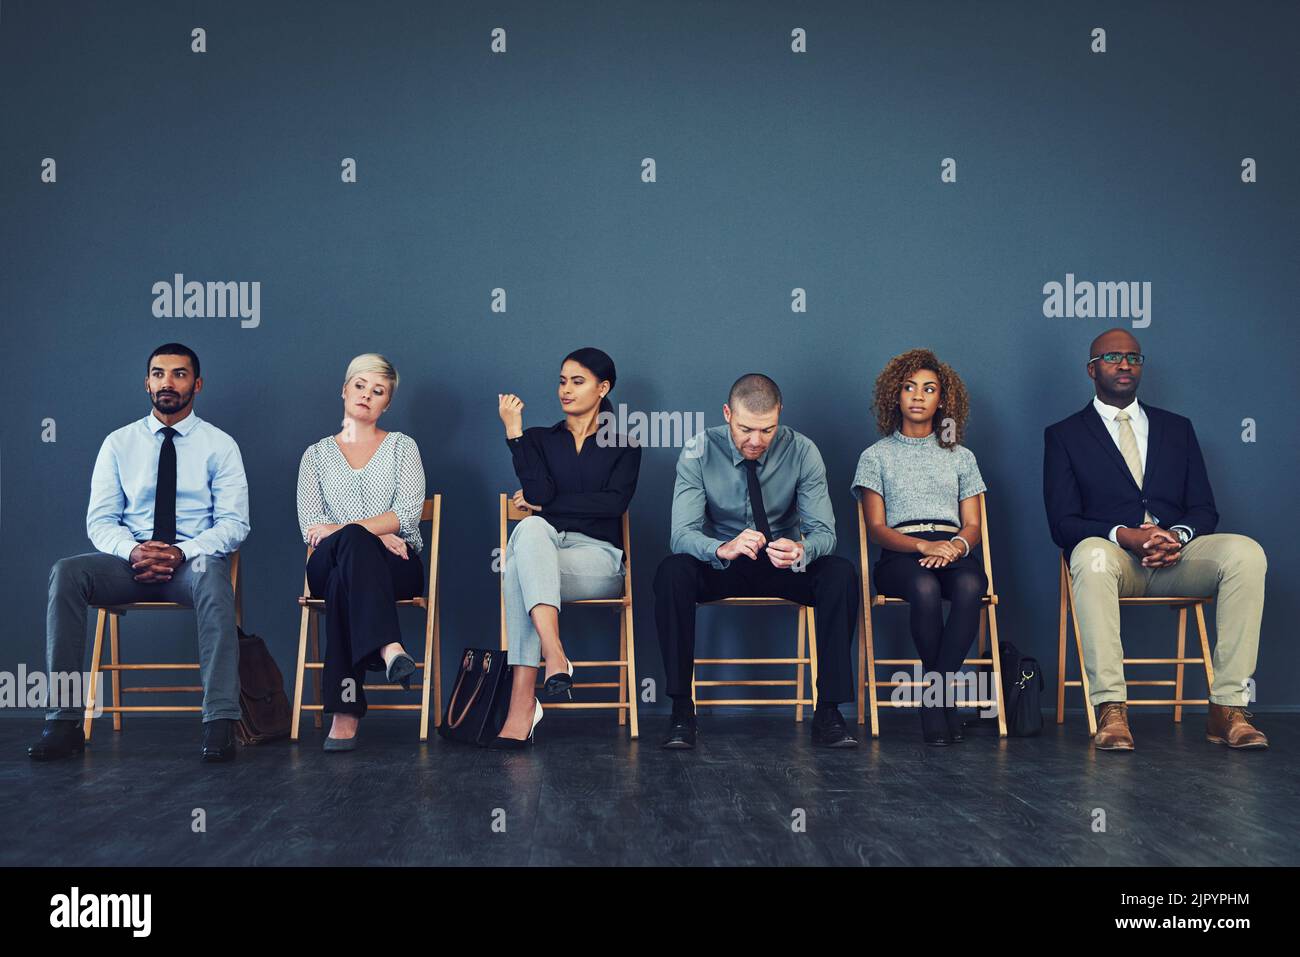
{"type": "Point", "coordinates": [782, 552]}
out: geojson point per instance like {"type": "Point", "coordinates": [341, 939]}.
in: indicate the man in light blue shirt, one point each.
{"type": "Point", "coordinates": [752, 518]}
{"type": "Point", "coordinates": [168, 507]}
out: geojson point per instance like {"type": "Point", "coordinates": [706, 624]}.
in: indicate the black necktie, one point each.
{"type": "Point", "coordinates": [164, 503]}
{"type": "Point", "coordinates": [756, 499]}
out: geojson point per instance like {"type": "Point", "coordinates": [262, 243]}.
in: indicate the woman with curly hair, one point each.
{"type": "Point", "coordinates": [919, 486]}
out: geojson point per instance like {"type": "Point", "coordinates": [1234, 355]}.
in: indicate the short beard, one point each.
{"type": "Point", "coordinates": [181, 404]}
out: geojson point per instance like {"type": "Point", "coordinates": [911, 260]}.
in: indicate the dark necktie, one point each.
{"type": "Point", "coordinates": [164, 503]}
{"type": "Point", "coordinates": [756, 499]}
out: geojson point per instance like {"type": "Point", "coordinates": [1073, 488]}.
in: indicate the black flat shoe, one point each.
{"type": "Point", "coordinates": [560, 685]}
{"type": "Point", "coordinates": [59, 739]}
{"type": "Point", "coordinates": [218, 741]}
{"type": "Point", "coordinates": [934, 727]}
{"type": "Point", "coordinates": [955, 725]}
{"type": "Point", "coordinates": [829, 729]}
{"type": "Point", "coordinates": [681, 733]}
{"type": "Point", "coordinates": [400, 670]}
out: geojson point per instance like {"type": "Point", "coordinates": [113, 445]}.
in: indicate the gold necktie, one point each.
{"type": "Point", "coordinates": [1128, 447]}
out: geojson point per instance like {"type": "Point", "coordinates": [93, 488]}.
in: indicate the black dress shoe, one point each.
{"type": "Point", "coordinates": [955, 725]}
{"type": "Point", "coordinates": [829, 729]}
{"type": "Point", "coordinates": [59, 739]}
{"type": "Point", "coordinates": [681, 733]}
{"type": "Point", "coordinates": [219, 740]}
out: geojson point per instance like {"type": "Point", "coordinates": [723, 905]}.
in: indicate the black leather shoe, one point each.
{"type": "Point", "coordinates": [955, 725]}
{"type": "Point", "coordinates": [681, 733]}
{"type": "Point", "coordinates": [219, 740]}
{"type": "Point", "coordinates": [830, 731]}
{"type": "Point", "coordinates": [59, 739]}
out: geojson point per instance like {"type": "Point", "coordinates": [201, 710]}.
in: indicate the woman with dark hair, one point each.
{"type": "Point", "coordinates": [577, 479]}
{"type": "Point", "coordinates": [921, 491]}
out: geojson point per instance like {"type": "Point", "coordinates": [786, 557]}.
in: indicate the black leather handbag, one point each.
{"type": "Point", "coordinates": [1022, 686]}
{"type": "Point", "coordinates": [480, 697]}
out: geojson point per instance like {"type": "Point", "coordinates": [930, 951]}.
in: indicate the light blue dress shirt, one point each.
{"type": "Point", "coordinates": [211, 489]}
{"type": "Point", "coordinates": [711, 496]}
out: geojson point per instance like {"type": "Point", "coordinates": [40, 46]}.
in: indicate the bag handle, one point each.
{"type": "Point", "coordinates": [453, 722]}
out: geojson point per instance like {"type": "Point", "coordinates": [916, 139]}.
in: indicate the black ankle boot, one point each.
{"type": "Point", "coordinates": [934, 727]}
{"type": "Point", "coordinates": [59, 739]}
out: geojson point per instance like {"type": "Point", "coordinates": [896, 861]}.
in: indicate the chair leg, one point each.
{"type": "Point", "coordinates": [313, 634]}
{"type": "Point", "coordinates": [1178, 669]}
{"type": "Point", "coordinates": [622, 669]}
{"type": "Point", "coordinates": [997, 670]}
{"type": "Point", "coordinates": [631, 674]}
{"type": "Point", "coordinates": [798, 669]}
{"type": "Point", "coordinates": [117, 675]}
{"type": "Point", "coordinates": [437, 664]}
{"type": "Point", "coordinates": [298, 673]}
{"type": "Point", "coordinates": [812, 655]}
{"type": "Point", "coordinates": [430, 666]}
{"type": "Point", "coordinates": [1205, 648]}
{"type": "Point", "coordinates": [872, 690]}
{"type": "Point", "coordinates": [88, 718]}
{"type": "Point", "coordinates": [1060, 649]}
{"type": "Point", "coordinates": [984, 621]}
{"type": "Point", "coordinates": [862, 672]}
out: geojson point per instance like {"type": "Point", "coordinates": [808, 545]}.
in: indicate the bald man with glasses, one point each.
{"type": "Point", "coordinates": [1129, 502]}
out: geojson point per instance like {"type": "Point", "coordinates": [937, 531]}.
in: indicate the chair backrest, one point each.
{"type": "Point", "coordinates": [510, 513]}
{"type": "Point", "coordinates": [984, 545]}
{"type": "Point", "coordinates": [431, 512]}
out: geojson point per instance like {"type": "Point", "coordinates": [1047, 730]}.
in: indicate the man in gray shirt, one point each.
{"type": "Point", "coordinates": [752, 518]}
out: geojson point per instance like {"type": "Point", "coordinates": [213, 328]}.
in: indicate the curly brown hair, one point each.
{"type": "Point", "coordinates": [952, 395]}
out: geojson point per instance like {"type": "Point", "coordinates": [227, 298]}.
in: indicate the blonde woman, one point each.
{"type": "Point", "coordinates": [360, 494]}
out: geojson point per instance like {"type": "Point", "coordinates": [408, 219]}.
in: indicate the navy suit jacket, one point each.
{"type": "Point", "coordinates": [1088, 489]}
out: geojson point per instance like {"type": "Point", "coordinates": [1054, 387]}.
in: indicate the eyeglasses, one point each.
{"type": "Point", "coordinates": [1134, 358]}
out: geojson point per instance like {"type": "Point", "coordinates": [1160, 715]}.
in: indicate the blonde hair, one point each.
{"type": "Point", "coordinates": [371, 362]}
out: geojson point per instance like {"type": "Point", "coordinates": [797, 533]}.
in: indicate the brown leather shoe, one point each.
{"type": "Point", "coordinates": [1112, 728]}
{"type": "Point", "coordinates": [1226, 724]}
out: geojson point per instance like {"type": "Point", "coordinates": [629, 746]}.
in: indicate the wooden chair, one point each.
{"type": "Point", "coordinates": [806, 629]}
{"type": "Point", "coordinates": [309, 630]}
{"type": "Point", "coordinates": [1176, 603]}
{"type": "Point", "coordinates": [868, 662]}
{"type": "Point", "coordinates": [622, 606]}
{"type": "Point", "coordinates": [110, 616]}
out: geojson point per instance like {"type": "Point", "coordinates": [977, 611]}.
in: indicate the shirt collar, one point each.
{"type": "Point", "coordinates": [737, 458]}
{"type": "Point", "coordinates": [184, 427]}
{"type": "Point", "coordinates": [1108, 412]}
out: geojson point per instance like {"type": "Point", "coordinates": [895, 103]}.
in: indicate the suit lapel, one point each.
{"type": "Point", "coordinates": [1155, 433]}
{"type": "Point", "coordinates": [1092, 419]}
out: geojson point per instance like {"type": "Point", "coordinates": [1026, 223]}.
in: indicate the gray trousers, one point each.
{"type": "Point", "coordinates": [546, 567]}
{"type": "Point", "coordinates": [104, 579]}
{"type": "Point", "coordinates": [1228, 566]}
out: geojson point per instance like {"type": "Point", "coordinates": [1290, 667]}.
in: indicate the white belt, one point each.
{"type": "Point", "coordinates": [927, 527]}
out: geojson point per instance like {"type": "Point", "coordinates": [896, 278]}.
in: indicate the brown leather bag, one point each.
{"type": "Point", "coordinates": [263, 705]}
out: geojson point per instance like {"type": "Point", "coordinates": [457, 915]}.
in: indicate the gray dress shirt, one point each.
{"type": "Point", "coordinates": [711, 497]}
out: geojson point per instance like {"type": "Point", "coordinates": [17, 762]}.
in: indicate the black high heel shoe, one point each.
{"type": "Point", "coordinates": [400, 669]}
{"type": "Point", "coordinates": [560, 684]}
{"type": "Point", "coordinates": [518, 744]}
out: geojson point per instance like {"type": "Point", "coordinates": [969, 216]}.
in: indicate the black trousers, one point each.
{"type": "Point", "coordinates": [829, 585]}
{"type": "Point", "coordinates": [360, 581]}
{"type": "Point", "coordinates": [942, 648]}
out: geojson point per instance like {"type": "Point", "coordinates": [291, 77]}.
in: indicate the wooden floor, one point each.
{"type": "Point", "coordinates": [586, 795]}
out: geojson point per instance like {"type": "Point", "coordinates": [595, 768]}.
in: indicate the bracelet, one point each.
{"type": "Point", "coordinates": [965, 544]}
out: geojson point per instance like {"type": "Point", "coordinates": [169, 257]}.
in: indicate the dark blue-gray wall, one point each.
{"type": "Point", "coordinates": [522, 170]}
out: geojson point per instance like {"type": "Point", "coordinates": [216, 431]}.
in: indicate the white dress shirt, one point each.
{"type": "Point", "coordinates": [211, 489]}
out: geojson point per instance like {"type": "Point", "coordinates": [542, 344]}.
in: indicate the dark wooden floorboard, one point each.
{"type": "Point", "coordinates": [586, 795]}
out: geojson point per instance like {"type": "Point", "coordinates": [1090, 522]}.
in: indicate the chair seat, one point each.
{"type": "Point", "coordinates": [610, 602]}
{"type": "Point", "coordinates": [883, 600]}
{"type": "Point", "coordinates": [1167, 600]}
{"type": "Point", "coordinates": [140, 606]}
{"type": "Point", "coordinates": [751, 602]}
{"type": "Point", "coordinates": [306, 602]}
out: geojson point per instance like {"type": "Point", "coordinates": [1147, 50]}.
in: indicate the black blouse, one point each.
{"type": "Point", "coordinates": [585, 491]}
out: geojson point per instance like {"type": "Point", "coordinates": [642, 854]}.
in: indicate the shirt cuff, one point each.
{"type": "Point", "coordinates": [124, 549]}
{"type": "Point", "coordinates": [190, 549]}
{"type": "Point", "coordinates": [1191, 532]}
{"type": "Point", "coordinates": [1112, 536]}
{"type": "Point", "coordinates": [714, 560]}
